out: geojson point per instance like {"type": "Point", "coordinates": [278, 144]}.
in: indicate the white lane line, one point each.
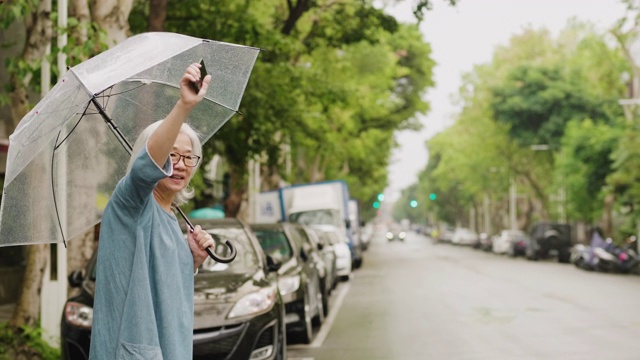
{"type": "Point", "coordinates": [328, 321]}
{"type": "Point", "coordinates": [319, 339]}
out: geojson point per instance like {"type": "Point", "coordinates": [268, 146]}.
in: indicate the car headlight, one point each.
{"type": "Point", "coordinates": [288, 284]}
{"type": "Point", "coordinates": [253, 303]}
{"type": "Point", "coordinates": [389, 235]}
{"type": "Point", "coordinates": [402, 235]}
{"type": "Point", "coordinates": [78, 314]}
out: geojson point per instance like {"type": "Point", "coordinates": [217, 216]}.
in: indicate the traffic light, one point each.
{"type": "Point", "coordinates": [432, 196]}
{"type": "Point", "coordinates": [376, 205]}
{"type": "Point", "coordinates": [413, 203]}
{"type": "Point", "coordinates": [381, 197]}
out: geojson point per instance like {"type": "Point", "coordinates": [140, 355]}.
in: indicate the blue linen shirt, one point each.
{"type": "Point", "coordinates": [143, 307]}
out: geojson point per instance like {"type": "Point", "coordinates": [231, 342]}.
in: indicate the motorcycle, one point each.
{"type": "Point", "coordinates": [603, 255]}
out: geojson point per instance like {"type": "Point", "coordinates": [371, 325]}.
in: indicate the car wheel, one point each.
{"type": "Point", "coordinates": [281, 354]}
{"type": "Point", "coordinates": [306, 333]}
{"type": "Point", "coordinates": [319, 318]}
{"type": "Point", "coordinates": [325, 300]}
{"type": "Point", "coordinates": [564, 255]}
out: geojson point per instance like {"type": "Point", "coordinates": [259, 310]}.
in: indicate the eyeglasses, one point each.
{"type": "Point", "coordinates": [189, 160]}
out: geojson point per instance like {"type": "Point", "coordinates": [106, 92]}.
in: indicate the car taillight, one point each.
{"type": "Point", "coordinates": [78, 314]}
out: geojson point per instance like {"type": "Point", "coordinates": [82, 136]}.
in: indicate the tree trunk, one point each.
{"type": "Point", "coordinates": [607, 214]}
{"type": "Point", "coordinates": [236, 193]}
{"type": "Point", "coordinates": [38, 36]}
{"type": "Point", "coordinates": [79, 9]}
{"type": "Point", "coordinates": [295, 13]}
{"type": "Point", "coordinates": [113, 17]}
{"type": "Point", "coordinates": [27, 309]}
{"type": "Point", "coordinates": [157, 14]}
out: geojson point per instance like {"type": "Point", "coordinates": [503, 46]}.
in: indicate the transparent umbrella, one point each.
{"type": "Point", "coordinates": [68, 153]}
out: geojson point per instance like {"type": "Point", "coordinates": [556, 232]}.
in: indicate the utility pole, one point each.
{"type": "Point", "coordinates": [54, 282]}
{"type": "Point", "coordinates": [513, 220]}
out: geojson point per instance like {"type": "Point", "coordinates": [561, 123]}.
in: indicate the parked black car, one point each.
{"type": "Point", "coordinates": [547, 239]}
{"type": "Point", "coordinates": [238, 312]}
{"type": "Point", "coordinates": [301, 275]}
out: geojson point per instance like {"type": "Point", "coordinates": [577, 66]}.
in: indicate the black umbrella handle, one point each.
{"type": "Point", "coordinates": [214, 256]}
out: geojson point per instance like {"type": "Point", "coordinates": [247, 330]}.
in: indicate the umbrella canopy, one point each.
{"type": "Point", "coordinates": [207, 213]}
{"type": "Point", "coordinates": [68, 153]}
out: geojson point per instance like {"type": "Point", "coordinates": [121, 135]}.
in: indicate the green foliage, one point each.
{"type": "Point", "coordinates": [529, 94]}
{"type": "Point", "coordinates": [625, 179]}
{"type": "Point", "coordinates": [585, 162]}
{"type": "Point", "coordinates": [25, 341]}
{"type": "Point", "coordinates": [537, 102]}
{"type": "Point", "coordinates": [15, 10]}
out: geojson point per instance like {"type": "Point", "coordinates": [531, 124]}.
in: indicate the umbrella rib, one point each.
{"type": "Point", "coordinates": [120, 93]}
{"type": "Point", "coordinates": [114, 128]}
{"type": "Point", "coordinates": [58, 144]}
{"type": "Point", "coordinates": [53, 191]}
{"type": "Point", "coordinates": [178, 87]}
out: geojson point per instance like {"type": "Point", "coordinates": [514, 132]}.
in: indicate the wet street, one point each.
{"type": "Point", "coordinates": [418, 300]}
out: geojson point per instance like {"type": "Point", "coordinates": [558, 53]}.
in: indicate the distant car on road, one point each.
{"type": "Point", "coordinates": [511, 242]}
{"type": "Point", "coordinates": [464, 236]}
{"type": "Point", "coordinates": [396, 232]}
{"type": "Point", "coordinates": [548, 239]}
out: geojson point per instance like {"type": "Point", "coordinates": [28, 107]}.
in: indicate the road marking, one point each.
{"type": "Point", "coordinates": [301, 358]}
{"type": "Point", "coordinates": [328, 322]}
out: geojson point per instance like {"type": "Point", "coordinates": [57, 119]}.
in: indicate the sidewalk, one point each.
{"type": "Point", "coordinates": [5, 312]}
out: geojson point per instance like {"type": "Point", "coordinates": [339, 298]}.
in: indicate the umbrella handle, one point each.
{"type": "Point", "coordinates": [214, 256]}
{"type": "Point", "coordinates": [224, 260]}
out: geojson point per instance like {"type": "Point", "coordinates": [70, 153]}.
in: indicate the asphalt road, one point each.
{"type": "Point", "coordinates": [417, 300]}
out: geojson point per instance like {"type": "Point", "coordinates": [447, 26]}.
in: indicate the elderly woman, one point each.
{"type": "Point", "coordinates": [143, 305]}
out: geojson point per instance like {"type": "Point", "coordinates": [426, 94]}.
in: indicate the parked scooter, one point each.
{"type": "Point", "coordinates": [603, 255]}
{"type": "Point", "coordinates": [617, 259]}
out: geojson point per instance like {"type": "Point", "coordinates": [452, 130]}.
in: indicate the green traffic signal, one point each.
{"type": "Point", "coordinates": [413, 203]}
{"type": "Point", "coordinates": [381, 197]}
{"type": "Point", "coordinates": [376, 205]}
{"type": "Point", "coordinates": [432, 196]}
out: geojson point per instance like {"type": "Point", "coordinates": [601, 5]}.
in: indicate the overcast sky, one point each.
{"type": "Point", "coordinates": [464, 36]}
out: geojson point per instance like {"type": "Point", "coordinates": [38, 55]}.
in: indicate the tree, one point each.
{"type": "Point", "coordinates": [528, 95]}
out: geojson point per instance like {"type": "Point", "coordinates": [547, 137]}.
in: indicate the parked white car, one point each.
{"type": "Point", "coordinates": [464, 236]}
{"type": "Point", "coordinates": [512, 242]}
{"type": "Point", "coordinates": [340, 245]}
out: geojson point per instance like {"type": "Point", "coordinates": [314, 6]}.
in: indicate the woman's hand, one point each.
{"type": "Point", "coordinates": [199, 240]}
{"type": "Point", "coordinates": [187, 94]}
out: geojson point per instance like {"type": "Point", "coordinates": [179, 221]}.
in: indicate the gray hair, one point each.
{"type": "Point", "coordinates": [187, 193]}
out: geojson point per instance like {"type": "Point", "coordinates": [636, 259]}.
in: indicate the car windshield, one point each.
{"type": "Point", "coordinates": [246, 258]}
{"type": "Point", "coordinates": [316, 217]}
{"type": "Point", "coordinates": [275, 244]}
{"type": "Point", "coordinates": [327, 238]}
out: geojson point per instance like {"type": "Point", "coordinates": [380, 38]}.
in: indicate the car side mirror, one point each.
{"type": "Point", "coordinates": [273, 265]}
{"type": "Point", "coordinates": [75, 279]}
